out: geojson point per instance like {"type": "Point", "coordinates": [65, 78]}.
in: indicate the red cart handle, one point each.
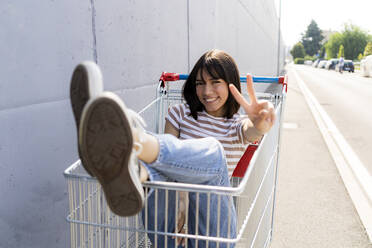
{"type": "Point", "coordinates": [167, 77]}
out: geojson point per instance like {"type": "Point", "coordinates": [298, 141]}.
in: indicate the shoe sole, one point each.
{"type": "Point", "coordinates": [86, 82]}
{"type": "Point", "coordinates": [106, 145]}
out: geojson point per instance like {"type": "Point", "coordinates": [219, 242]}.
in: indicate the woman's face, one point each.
{"type": "Point", "coordinates": [212, 93]}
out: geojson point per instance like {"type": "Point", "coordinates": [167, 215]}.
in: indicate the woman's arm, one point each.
{"type": "Point", "coordinates": [250, 133]}
{"type": "Point", "coordinates": [170, 129]}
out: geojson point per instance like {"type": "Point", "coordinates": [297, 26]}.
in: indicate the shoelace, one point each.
{"type": "Point", "coordinates": [139, 124]}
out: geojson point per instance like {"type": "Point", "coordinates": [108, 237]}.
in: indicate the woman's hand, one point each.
{"type": "Point", "coordinates": [261, 113]}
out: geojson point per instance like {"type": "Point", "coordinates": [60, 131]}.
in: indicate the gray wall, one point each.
{"type": "Point", "coordinates": [133, 42]}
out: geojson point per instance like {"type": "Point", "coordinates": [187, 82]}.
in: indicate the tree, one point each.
{"type": "Point", "coordinates": [354, 40]}
{"type": "Point", "coordinates": [333, 44]}
{"type": "Point", "coordinates": [298, 51]}
{"type": "Point", "coordinates": [360, 57]}
{"type": "Point", "coordinates": [341, 52]}
{"type": "Point", "coordinates": [368, 49]}
{"type": "Point", "coordinates": [312, 39]}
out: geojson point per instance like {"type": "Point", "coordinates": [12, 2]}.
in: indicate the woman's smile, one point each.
{"type": "Point", "coordinates": [210, 100]}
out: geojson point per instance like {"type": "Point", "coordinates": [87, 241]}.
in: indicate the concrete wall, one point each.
{"type": "Point", "coordinates": [133, 42]}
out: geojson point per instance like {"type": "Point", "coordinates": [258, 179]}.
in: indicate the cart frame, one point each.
{"type": "Point", "coordinates": [92, 224]}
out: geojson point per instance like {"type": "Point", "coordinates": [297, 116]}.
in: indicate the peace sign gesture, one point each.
{"type": "Point", "coordinates": [261, 113]}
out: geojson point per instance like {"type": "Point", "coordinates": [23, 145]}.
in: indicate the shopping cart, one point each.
{"type": "Point", "coordinates": [253, 188]}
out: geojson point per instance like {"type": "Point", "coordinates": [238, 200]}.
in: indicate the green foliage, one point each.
{"type": "Point", "coordinates": [299, 61]}
{"type": "Point", "coordinates": [333, 44]}
{"type": "Point", "coordinates": [298, 51]}
{"type": "Point", "coordinates": [368, 49]}
{"type": "Point", "coordinates": [312, 39]}
{"type": "Point", "coordinates": [360, 57]}
{"type": "Point", "coordinates": [341, 52]}
{"type": "Point", "coordinates": [312, 58]}
{"type": "Point", "coordinates": [354, 40]}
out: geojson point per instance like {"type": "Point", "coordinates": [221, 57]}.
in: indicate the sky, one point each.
{"type": "Point", "coordinates": [296, 15]}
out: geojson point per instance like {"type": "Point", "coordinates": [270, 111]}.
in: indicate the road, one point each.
{"type": "Point", "coordinates": [314, 208]}
{"type": "Point", "coordinates": [347, 99]}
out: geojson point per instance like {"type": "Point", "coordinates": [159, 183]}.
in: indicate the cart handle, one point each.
{"type": "Point", "coordinates": [169, 77]}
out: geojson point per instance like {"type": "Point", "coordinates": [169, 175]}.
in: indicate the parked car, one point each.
{"type": "Point", "coordinates": [322, 64]}
{"type": "Point", "coordinates": [316, 62]}
{"type": "Point", "coordinates": [331, 64]}
{"type": "Point", "coordinates": [348, 66]}
{"type": "Point", "coordinates": [366, 66]}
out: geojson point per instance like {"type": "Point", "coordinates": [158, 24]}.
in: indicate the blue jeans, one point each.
{"type": "Point", "coordinates": [195, 161]}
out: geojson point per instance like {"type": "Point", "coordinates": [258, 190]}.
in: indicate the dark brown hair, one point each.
{"type": "Point", "coordinates": [219, 65]}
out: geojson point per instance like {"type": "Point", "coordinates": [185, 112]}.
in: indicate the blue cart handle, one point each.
{"type": "Point", "coordinates": [169, 77]}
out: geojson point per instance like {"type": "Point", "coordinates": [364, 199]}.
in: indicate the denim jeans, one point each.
{"type": "Point", "coordinates": [195, 161]}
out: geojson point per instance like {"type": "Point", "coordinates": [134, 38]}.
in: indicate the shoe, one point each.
{"type": "Point", "coordinates": [107, 148]}
{"type": "Point", "coordinates": [86, 83]}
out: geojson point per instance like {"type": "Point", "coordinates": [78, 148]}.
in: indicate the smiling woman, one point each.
{"type": "Point", "coordinates": [116, 149]}
{"type": "Point", "coordinates": [213, 98]}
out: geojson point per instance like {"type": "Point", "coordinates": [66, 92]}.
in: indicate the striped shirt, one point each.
{"type": "Point", "coordinates": [227, 131]}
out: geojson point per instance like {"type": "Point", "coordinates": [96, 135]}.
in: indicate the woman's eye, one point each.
{"type": "Point", "coordinates": [216, 81]}
{"type": "Point", "coordinates": [198, 83]}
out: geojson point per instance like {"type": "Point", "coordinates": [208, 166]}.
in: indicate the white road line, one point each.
{"type": "Point", "coordinates": [290, 125]}
{"type": "Point", "coordinates": [356, 178]}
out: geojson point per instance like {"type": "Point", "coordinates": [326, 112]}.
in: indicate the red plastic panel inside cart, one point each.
{"type": "Point", "coordinates": [244, 161]}
{"type": "Point", "coordinates": [284, 81]}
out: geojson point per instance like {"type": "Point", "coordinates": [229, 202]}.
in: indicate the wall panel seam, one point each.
{"type": "Point", "coordinates": [95, 55]}
{"type": "Point", "coordinates": [255, 20]}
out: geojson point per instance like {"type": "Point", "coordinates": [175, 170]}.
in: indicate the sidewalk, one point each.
{"type": "Point", "coordinates": [313, 208]}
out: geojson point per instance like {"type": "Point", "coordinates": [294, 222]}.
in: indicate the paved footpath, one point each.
{"type": "Point", "coordinates": [313, 208]}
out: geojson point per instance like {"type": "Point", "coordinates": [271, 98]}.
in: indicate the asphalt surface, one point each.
{"type": "Point", "coordinates": [347, 99]}
{"type": "Point", "coordinates": [313, 208]}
